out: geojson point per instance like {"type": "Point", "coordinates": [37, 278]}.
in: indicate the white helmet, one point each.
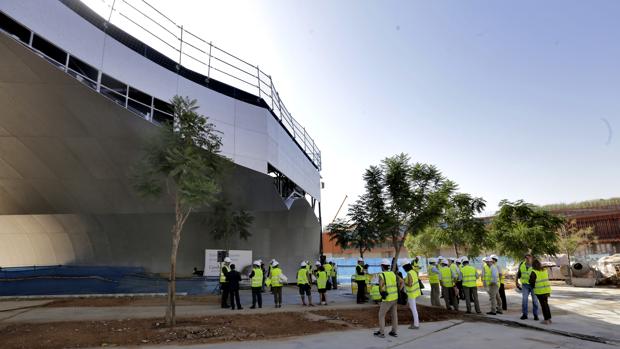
{"type": "Point", "coordinates": [444, 261]}
{"type": "Point", "coordinates": [440, 258]}
{"type": "Point", "coordinates": [360, 259]}
{"type": "Point", "coordinates": [385, 261]}
{"type": "Point", "coordinates": [451, 259]}
{"type": "Point", "coordinates": [494, 257]}
{"type": "Point", "coordinates": [432, 260]}
{"type": "Point", "coordinates": [260, 261]}
{"type": "Point", "coordinates": [227, 260]}
{"type": "Point", "coordinates": [257, 263]}
{"type": "Point", "coordinates": [317, 263]}
{"type": "Point", "coordinates": [274, 262]}
{"type": "Point", "coordinates": [486, 259]}
{"type": "Point", "coordinates": [464, 259]}
{"type": "Point", "coordinates": [303, 264]}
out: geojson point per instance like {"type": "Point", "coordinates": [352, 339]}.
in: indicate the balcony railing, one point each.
{"type": "Point", "coordinates": [149, 25]}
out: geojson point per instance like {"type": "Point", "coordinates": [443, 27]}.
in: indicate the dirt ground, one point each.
{"type": "Point", "coordinates": [130, 301]}
{"type": "Point", "coordinates": [199, 330]}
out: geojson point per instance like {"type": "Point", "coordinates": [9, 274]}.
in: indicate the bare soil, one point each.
{"type": "Point", "coordinates": [210, 329]}
{"type": "Point", "coordinates": [131, 301]}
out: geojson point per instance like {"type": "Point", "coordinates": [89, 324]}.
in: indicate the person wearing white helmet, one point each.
{"type": "Point", "coordinates": [276, 283]}
{"type": "Point", "coordinates": [360, 280]}
{"type": "Point", "coordinates": [502, 277]}
{"type": "Point", "coordinates": [389, 284]}
{"type": "Point", "coordinates": [329, 269]}
{"type": "Point", "coordinates": [490, 279]}
{"type": "Point", "coordinates": [224, 270]}
{"type": "Point", "coordinates": [433, 279]}
{"type": "Point", "coordinates": [470, 287]}
{"type": "Point", "coordinates": [256, 280]}
{"type": "Point", "coordinates": [448, 289]}
{"type": "Point", "coordinates": [459, 279]}
{"type": "Point", "coordinates": [412, 287]}
{"type": "Point", "coordinates": [415, 264]}
{"type": "Point", "coordinates": [303, 283]}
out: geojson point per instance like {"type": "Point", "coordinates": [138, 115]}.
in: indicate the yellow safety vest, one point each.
{"type": "Point", "coordinates": [321, 280]}
{"type": "Point", "coordinates": [328, 269]}
{"type": "Point", "coordinates": [375, 294]}
{"type": "Point", "coordinates": [542, 286]}
{"type": "Point", "coordinates": [413, 291]}
{"type": "Point", "coordinates": [433, 277]}
{"type": "Point", "coordinates": [446, 277]}
{"type": "Point", "coordinates": [487, 274]}
{"type": "Point", "coordinates": [222, 275]}
{"type": "Point", "coordinates": [302, 276]}
{"type": "Point", "coordinates": [257, 279]}
{"type": "Point", "coordinates": [389, 279]}
{"type": "Point", "coordinates": [525, 273]}
{"type": "Point", "coordinates": [469, 276]}
{"type": "Point", "coordinates": [416, 266]}
{"type": "Point", "coordinates": [454, 268]}
{"type": "Point", "coordinates": [501, 275]}
{"type": "Point", "coordinates": [358, 277]}
{"type": "Point", "coordinates": [275, 277]}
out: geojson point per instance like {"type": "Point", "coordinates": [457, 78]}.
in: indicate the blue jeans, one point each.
{"type": "Point", "coordinates": [526, 290]}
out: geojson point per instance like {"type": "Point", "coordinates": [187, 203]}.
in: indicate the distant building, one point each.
{"type": "Point", "coordinates": [384, 250]}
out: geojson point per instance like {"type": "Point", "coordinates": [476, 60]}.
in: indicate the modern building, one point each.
{"type": "Point", "coordinates": [81, 94]}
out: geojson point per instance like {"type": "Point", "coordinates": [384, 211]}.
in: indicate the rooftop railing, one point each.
{"type": "Point", "coordinates": [143, 21]}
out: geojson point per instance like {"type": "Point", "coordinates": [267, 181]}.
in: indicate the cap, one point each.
{"type": "Point", "coordinates": [493, 257]}
{"type": "Point", "coordinates": [227, 260]}
{"type": "Point", "coordinates": [384, 261]}
{"type": "Point", "coordinates": [303, 264]}
{"type": "Point", "coordinates": [274, 262]}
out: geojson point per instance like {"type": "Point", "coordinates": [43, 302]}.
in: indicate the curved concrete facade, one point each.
{"type": "Point", "coordinates": [66, 154]}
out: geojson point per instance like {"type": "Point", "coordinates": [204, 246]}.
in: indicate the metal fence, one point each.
{"type": "Point", "coordinates": [143, 21]}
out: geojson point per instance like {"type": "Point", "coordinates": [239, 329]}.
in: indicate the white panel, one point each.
{"type": "Point", "coordinates": [251, 144]}
{"type": "Point", "coordinates": [251, 117]}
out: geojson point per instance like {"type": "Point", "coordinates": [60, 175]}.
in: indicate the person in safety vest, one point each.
{"type": "Point", "coordinates": [321, 284]}
{"type": "Point", "coordinates": [276, 283]}
{"type": "Point", "coordinates": [490, 280]}
{"type": "Point", "coordinates": [459, 280]}
{"type": "Point", "coordinates": [224, 282]}
{"type": "Point", "coordinates": [523, 275]}
{"type": "Point", "coordinates": [256, 282]}
{"type": "Point", "coordinates": [448, 289]}
{"type": "Point", "coordinates": [502, 282]}
{"type": "Point", "coordinates": [389, 284]}
{"type": "Point", "coordinates": [433, 279]}
{"type": "Point", "coordinates": [412, 287]}
{"type": "Point", "coordinates": [334, 275]}
{"type": "Point", "coordinates": [375, 293]}
{"type": "Point", "coordinates": [539, 279]}
{"type": "Point", "coordinates": [303, 283]}
{"type": "Point", "coordinates": [360, 280]}
{"type": "Point", "coordinates": [328, 269]}
{"type": "Point", "coordinates": [415, 264]}
{"type": "Point", "coordinates": [456, 274]}
{"type": "Point", "coordinates": [470, 288]}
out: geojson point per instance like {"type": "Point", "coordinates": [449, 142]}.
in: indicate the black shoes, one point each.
{"type": "Point", "coordinates": [523, 317]}
{"type": "Point", "coordinates": [393, 334]}
{"type": "Point", "coordinates": [535, 317]}
{"type": "Point", "coordinates": [491, 313]}
{"type": "Point", "coordinates": [378, 334]}
{"type": "Point", "coordinates": [499, 312]}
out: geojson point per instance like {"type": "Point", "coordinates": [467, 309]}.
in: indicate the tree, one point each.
{"type": "Point", "coordinates": [425, 243]}
{"type": "Point", "coordinates": [404, 198]}
{"type": "Point", "coordinates": [225, 223]}
{"type": "Point", "coordinates": [520, 227]}
{"type": "Point", "coordinates": [182, 161]}
{"type": "Point", "coordinates": [356, 232]}
{"type": "Point", "coordinates": [460, 228]}
{"type": "Point", "coordinates": [570, 237]}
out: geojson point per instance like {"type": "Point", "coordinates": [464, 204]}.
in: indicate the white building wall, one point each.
{"type": "Point", "coordinates": [251, 136]}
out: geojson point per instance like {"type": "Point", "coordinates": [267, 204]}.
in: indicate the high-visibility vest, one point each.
{"type": "Point", "coordinates": [455, 269]}
{"type": "Point", "coordinates": [487, 277]}
{"type": "Point", "coordinates": [525, 273]}
{"type": "Point", "coordinates": [333, 273]}
{"type": "Point", "coordinates": [321, 280]}
{"type": "Point", "coordinates": [302, 276]}
{"type": "Point", "coordinates": [416, 266]}
{"type": "Point", "coordinates": [389, 279]}
{"type": "Point", "coordinates": [542, 286]}
{"type": "Point", "coordinates": [358, 277]}
{"type": "Point", "coordinates": [469, 276]}
{"type": "Point", "coordinates": [257, 279]}
{"type": "Point", "coordinates": [433, 277]}
{"type": "Point", "coordinates": [501, 271]}
{"type": "Point", "coordinates": [275, 277]}
{"type": "Point", "coordinates": [375, 294]}
{"type": "Point", "coordinates": [446, 277]}
{"type": "Point", "coordinates": [413, 291]}
{"type": "Point", "coordinates": [222, 275]}
{"type": "Point", "coordinates": [328, 269]}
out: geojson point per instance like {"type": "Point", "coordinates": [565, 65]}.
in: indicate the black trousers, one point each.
{"type": "Point", "coordinates": [257, 297]}
{"type": "Point", "coordinates": [361, 291]}
{"type": "Point", "coordinates": [225, 291]}
{"type": "Point", "coordinates": [502, 296]}
{"type": "Point", "coordinates": [459, 286]}
{"type": "Point", "coordinates": [234, 296]}
{"type": "Point", "coordinates": [543, 299]}
{"type": "Point", "coordinates": [334, 283]}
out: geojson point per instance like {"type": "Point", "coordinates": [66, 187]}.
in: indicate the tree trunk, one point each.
{"type": "Point", "coordinates": [361, 253]}
{"type": "Point", "coordinates": [181, 217]}
{"type": "Point", "coordinates": [398, 244]}
{"type": "Point", "coordinates": [570, 269]}
{"type": "Point", "coordinates": [456, 250]}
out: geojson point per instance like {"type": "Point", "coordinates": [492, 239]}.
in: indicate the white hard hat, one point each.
{"type": "Point", "coordinates": [385, 261]}
{"type": "Point", "coordinates": [360, 259]}
{"type": "Point", "coordinates": [257, 262]}
{"type": "Point", "coordinates": [227, 260]}
{"type": "Point", "coordinates": [260, 261]}
{"type": "Point", "coordinates": [317, 263]}
{"type": "Point", "coordinates": [432, 260]}
{"type": "Point", "coordinates": [418, 257]}
{"type": "Point", "coordinates": [303, 264]}
{"type": "Point", "coordinates": [451, 258]}
{"type": "Point", "coordinates": [494, 257]}
{"type": "Point", "coordinates": [486, 259]}
{"type": "Point", "coordinates": [444, 261]}
{"type": "Point", "coordinates": [464, 259]}
{"type": "Point", "coordinates": [274, 262]}
{"type": "Point", "coordinates": [440, 258]}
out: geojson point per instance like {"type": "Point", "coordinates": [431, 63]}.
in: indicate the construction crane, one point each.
{"type": "Point", "coordinates": [339, 208]}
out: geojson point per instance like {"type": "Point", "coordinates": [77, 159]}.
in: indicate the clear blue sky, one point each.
{"type": "Point", "coordinates": [506, 98]}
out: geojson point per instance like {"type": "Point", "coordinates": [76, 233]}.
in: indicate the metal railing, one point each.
{"type": "Point", "coordinates": [149, 25]}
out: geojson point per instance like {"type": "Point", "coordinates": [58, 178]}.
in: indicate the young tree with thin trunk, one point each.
{"type": "Point", "coordinates": [183, 162]}
{"type": "Point", "coordinates": [356, 232]}
{"type": "Point", "coordinates": [226, 223]}
{"type": "Point", "coordinates": [460, 228]}
{"type": "Point", "coordinates": [570, 237]}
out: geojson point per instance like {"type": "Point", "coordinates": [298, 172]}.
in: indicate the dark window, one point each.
{"type": "Point", "coordinates": [9, 25]}
{"type": "Point", "coordinates": [139, 96]}
{"type": "Point", "coordinates": [138, 108]}
{"type": "Point", "coordinates": [112, 84]}
{"type": "Point", "coordinates": [49, 49]}
{"type": "Point", "coordinates": [161, 118]}
{"type": "Point", "coordinates": [162, 106]}
{"type": "Point", "coordinates": [82, 68]}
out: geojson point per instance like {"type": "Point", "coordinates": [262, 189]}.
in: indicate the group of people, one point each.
{"type": "Point", "coordinates": [323, 275]}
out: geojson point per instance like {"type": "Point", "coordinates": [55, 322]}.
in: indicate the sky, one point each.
{"type": "Point", "coordinates": [511, 100]}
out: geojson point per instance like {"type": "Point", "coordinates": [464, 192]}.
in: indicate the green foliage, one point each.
{"type": "Point", "coordinates": [599, 203]}
{"type": "Point", "coordinates": [520, 227]}
{"type": "Point", "coordinates": [460, 228]}
{"type": "Point", "coordinates": [356, 232]}
{"type": "Point", "coordinates": [570, 237]}
{"type": "Point", "coordinates": [226, 223]}
{"type": "Point", "coordinates": [425, 243]}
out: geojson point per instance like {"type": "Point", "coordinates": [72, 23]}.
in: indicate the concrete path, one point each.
{"type": "Point", "coordinates": [15, 305]}
{"type": "Point", "coordinates": [444, 334]}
